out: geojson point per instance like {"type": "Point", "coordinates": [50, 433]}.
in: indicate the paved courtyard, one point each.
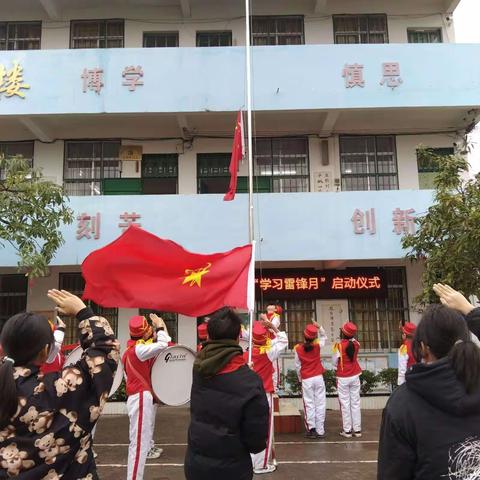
{"type": "Point", "coordinates": [298, 458]}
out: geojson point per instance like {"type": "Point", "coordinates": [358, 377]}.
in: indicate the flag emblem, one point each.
{"type": "Point", "coordinates": [195, 276]}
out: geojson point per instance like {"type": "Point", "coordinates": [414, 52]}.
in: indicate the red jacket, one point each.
{"type": "Point", "coordinates": [345, 366]}
{"type": "Point", "coordinates": [263, 367]}
{"type": "Point", "coordinates": [138, 372]}
{"type": "Point", "coordinates": [309, 364]}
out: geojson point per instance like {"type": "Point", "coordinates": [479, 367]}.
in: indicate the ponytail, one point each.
{"type": "Point", "coordinates": [308, 345]}
{"type": "Point", "coordinates": [465, 360]}
{"type": "Point", "coordinates": [9, 403]}
{"type": "Point", "coordinates": [350, 350]}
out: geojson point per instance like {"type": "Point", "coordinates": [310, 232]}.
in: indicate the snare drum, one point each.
{"type": "Point", "coordinates": [172, 375]}
{"type": "Point", "coordinates": [76, 355]}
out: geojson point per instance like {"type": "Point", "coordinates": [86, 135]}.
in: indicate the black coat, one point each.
{"type": "Point", "coordinates": [229, 420]}
{"type": "Point", "coordinates": [431, 426]}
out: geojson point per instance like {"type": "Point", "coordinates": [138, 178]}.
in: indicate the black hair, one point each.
{"type": "Point", "coordinates": [350, 350]}
{"type": "Point", "coordinates": [22, 338]}
{"type": "Point", "coordinates": [446, 334]}
{"type": "Point", "coordinates": [308, 344]}
{"type": "Point", "coordinates": [224, 324]}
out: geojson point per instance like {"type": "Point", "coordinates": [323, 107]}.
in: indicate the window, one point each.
{"type": "Point", "coordinates": [13, 296]}
{"type": "Point", "coordinates": [20, 35]}
{"type": "Point", "coordinates": [368, 163]}
{"type": "Point", "coordinates": [214, 39]}
{"type": "Point", "coordinates": [428, 166]}
{"type": "Point", "coordinates": [160, 174]}
{"type": "Point", "coordinates": [97, 34]}
{"type": "Point", "coordinates": [424, 35]}
{"type": "Point", "coordinates": [284, 161]}
{"type": "Point", "coordinates": [74, 283]}
{"type": "Point", "coordinates": [284, 30]}
{"type": "Point", "coordinates": [88, 163]}
{"type": "Point", "coordinates": [360, 28]}
{"type": "Point", "coordinates": [212, 172]}
{"type": "Point", "coordinates": [160, 39]}
{"type": "Point", "coordinates": [171, 321]}
{"type": "Point", "coordinates": [296, 314]}
{"type": "Point", "coordinates": [378, 320]}
{"type": "Point", "coordinates": [14, 149]}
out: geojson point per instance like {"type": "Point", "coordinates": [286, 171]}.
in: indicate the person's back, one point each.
{"type": "Point", "coordinates": [431, 424]}
{"type": "Point", "coordinates": [229, 410]}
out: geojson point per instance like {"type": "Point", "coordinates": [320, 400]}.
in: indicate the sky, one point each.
{"type": "Point", "coordinates": [466, 18]}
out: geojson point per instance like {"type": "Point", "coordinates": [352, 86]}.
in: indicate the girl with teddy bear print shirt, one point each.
{"type": "Point", "coordinates": [46, 420]}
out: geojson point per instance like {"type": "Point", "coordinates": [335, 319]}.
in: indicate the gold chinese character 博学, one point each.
{"type": "Point", "coordinates": [11, 81]}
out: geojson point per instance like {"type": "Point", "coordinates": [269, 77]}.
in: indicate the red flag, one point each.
{"type": "Point", "coordinates": [140, 270]}
{"type": "Point", "coordinates": [238, 151]}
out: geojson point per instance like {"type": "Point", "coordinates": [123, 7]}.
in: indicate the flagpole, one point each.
{"type": "Point", "coordinates": [251, 232]}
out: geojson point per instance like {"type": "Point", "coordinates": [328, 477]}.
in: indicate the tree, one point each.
{"type": "Point", "coordinates": [31, 213]}
{"type": "Point", "coordinates": [448, 235]}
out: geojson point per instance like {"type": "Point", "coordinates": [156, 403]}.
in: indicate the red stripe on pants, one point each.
{"type": "Point", "coordinates": [139, 437]}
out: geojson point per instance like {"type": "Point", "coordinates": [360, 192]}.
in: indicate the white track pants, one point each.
{"type": "Point", "coordinates": [140, 412]}
{"type": "Point", "coordinates": [276, 375]}
{"type": "Point", "coordinates": [314, 403]}
{"type": "Point", "coordinates": [349, 397]}
{"type": "Point", "coordinates": [262, 459]}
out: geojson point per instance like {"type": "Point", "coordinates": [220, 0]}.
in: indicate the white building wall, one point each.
{"type": "Point", "coordinates": [228, 16]}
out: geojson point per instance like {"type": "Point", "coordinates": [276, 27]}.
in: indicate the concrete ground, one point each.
{"type": "Point", "coordinates": [298, 458]}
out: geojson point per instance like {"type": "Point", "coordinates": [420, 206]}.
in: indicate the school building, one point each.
{"type": "Point", "coordinates": [132, 106]}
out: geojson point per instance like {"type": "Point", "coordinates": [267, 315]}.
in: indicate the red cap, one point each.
{"type": "Point", "coordinates": [311, 332]}
{"type": "Point", "coordinates": [278, 309]}
{"type": "Point", "coordinates": [138, 326]}
{"type": "Point", "coordinates": [349, 329]}
{"type": "Point", "coordinates": [202, 331]}
{"type": "Point", "coordinates": [409, 329]}
{"type": "Point", "coordinates": [259, 333]}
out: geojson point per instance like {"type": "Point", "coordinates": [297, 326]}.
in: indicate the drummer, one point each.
{"type": "Point", "coordinates": [146, 342]}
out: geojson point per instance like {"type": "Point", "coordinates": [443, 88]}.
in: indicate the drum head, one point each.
{"type": "Point", "coordinates": [76, 355]}
{"type": "Point", "coordinates": [172, 375]}
{"type": "Point", "coordinates": [244, 344]}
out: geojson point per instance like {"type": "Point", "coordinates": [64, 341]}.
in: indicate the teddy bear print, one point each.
{"type": "Point", "coordinates": [95, 411]}
{"type": "Point", "coordinates": [40, 388]}
{"type": "Point", "coordinates": [37, 422]}
{"type": "Point", "coordinates": [22, 401]}
{"type": "Point", "coordinates": [94, 364]}
{"type": "Point", "coordinates": [52, 475]}
{"type": "Point", "coordinates": [115, 352]}
{"type": "Point", "coordinates": [50, 447]}
{"type": "Point", "coordinates": [86, 329]}
{"type": "Point", "coordinates": [101, 322]}
{"type": "Point", "coordinates": [69, 381]}
{"type": "Point", "coordinates": [82, 455]}
{"type": "Point", "coordinates": [7, 432]}
{"type": "Point", "coordinates": [73, 417]}
{"type": "Point", "coordinates": [21, 372]}
{"type": "Point", "coordinates": [88, 477]}
{"type": "Point", "coordinates": [13, 460]}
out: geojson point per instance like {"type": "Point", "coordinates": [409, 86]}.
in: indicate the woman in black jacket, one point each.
{"type": "Point", "coordinates": [431, 424]}
{"type": "Point", "coordinates": [229, 409]}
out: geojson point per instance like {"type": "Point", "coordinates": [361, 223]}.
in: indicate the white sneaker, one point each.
{"type": "Point", "coordinates": [357, 434]}
{"type": "Point", "coordinates": [154, 453]}
{"type": "Point", "coordinates": [346, 434]}
{"type": "Point", "coordinates": [268, 469]}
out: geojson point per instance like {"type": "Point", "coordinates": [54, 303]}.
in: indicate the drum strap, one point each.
{"type": "Point", "coordinates": [139, 377]}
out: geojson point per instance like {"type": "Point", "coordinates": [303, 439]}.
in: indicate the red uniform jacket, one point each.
{"type": "Point", "coordinates": [310, 362]}
{"type": "Point", "coordinates": [345, 366]}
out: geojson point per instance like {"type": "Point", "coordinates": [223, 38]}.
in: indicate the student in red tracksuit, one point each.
{"type": "Point", "coordinates": [144, 345]}
{"type": "Point", "coordinates": [273, 316]}
{"type": "Point", "coordinates": [405, 353]}
{"type": "Point", "coordinates": [202, 335]}
{"type": "Point", "coordinates": [264, 353]}
{"type": "Point", "coordinates": [310, 373]}
{"type": "Point", "coordinates": [345, 355]}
